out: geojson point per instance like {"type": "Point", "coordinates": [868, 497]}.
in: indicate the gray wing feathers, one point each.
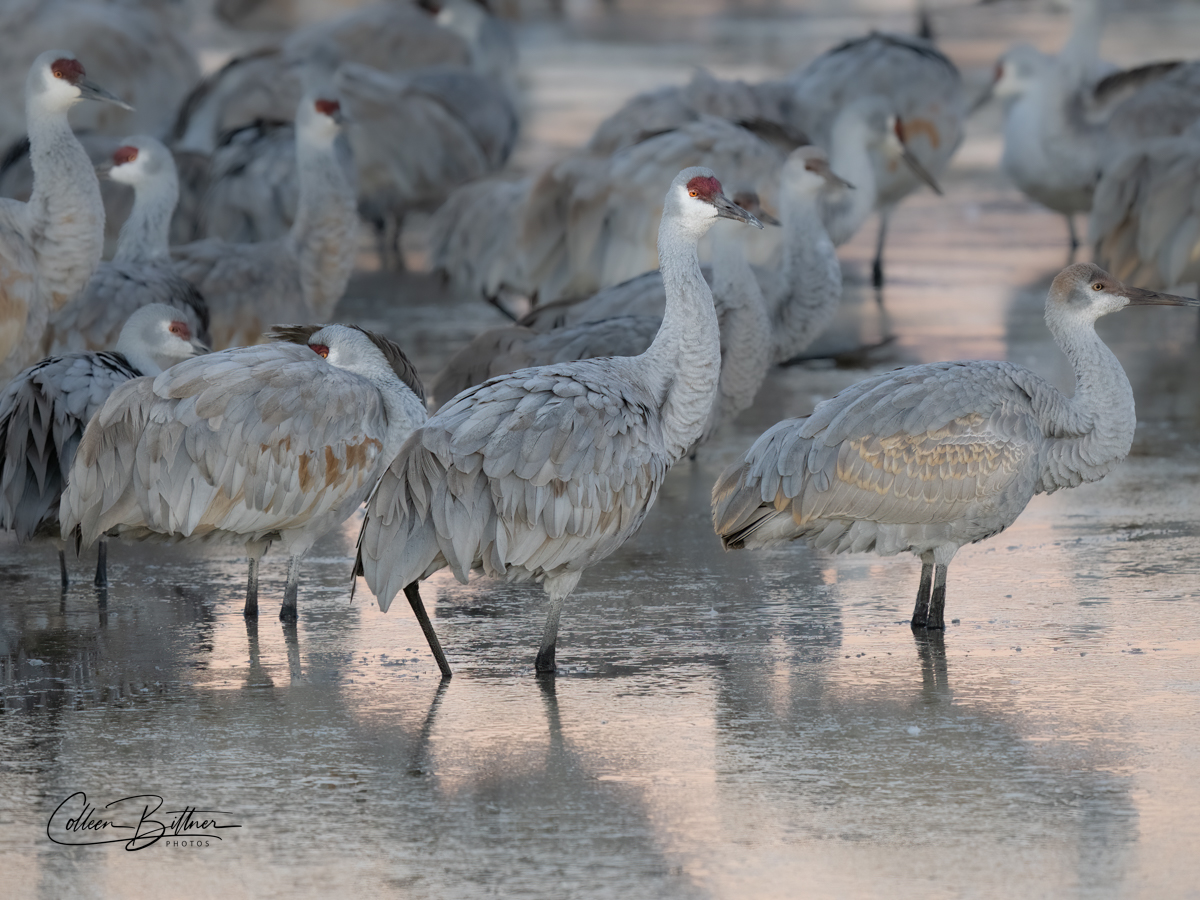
{"type": "Point", "coordinates": [227, 447]}
{"type": "Point", "coordinates": [43, 412]}
{"type": "Point", "coordinates": [529, 475]}
{"type": "Point", "coordinates": [917, 447]}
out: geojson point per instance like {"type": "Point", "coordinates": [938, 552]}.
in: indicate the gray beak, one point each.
{"type": "Point", "coordinates": [1140, 297]}
{"type": "Point", "coordinates": [919, 170]}
{"type": "Point", "coordinates": [983, 99]}
{"type": "Point", "coordinates": [821, 167]}
{"type": "Point", "coordinates": [89, 90]}
{"type": "Point", "coordinates": [767, 219]}
{"type": "Point", "coordinates": [727, 209]}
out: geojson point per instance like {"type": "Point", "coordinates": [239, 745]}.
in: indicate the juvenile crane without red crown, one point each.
{"type": "Point", "coordinates": [540, 473]}
{"type": "Point", "coordinates": [928, 458]}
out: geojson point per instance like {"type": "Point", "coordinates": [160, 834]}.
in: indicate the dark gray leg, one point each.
{"type": "Point", "coordinates": [544, 663]}
{"type": "Point", "coordinates": [62, 569]}
{"type": "Point", "coordinates": [921, 610]}
{"type": "Point", "coordinates": [877, 265]}
{"type": "Point", "coordinates": [102, 564]}
{"type": "Point", "coordinates": [287, 612]}
{"type": "Point", "coordinates": [251, 608]}
{"type": "Point", "coordinates": [418, 608]}
{"type": "Point", "coordinates": [937, 601]}
{"type": "Point", "coordinates": [1074, 237]}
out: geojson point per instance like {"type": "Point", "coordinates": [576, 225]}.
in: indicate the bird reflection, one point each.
{"type": "Point", "coordinates": [931, 651]}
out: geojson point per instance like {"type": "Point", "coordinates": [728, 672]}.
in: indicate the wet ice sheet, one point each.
{"type": "Point", "coordinates": [726, 725]}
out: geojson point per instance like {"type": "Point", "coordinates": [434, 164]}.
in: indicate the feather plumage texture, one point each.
{"type": "Point", "coordinates": [928, 458]}
{"type": "Point", "coordinates": [540, 473]}
{"type": "Point", "coordinates": [249, 445]}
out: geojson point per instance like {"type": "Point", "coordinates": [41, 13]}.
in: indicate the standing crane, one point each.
{"type": "Point", "coordinates": [44, 410]}
{"type": "Point", "coordinates": [927, 458]}
{"type": "Point", "coordinates": [919, 86]}
{"type": "Point", "coordinates": [253, 445]}
{"type": "Point", "coordinates": [140, 272]}
{"type": "Point", "coordinates": [540, 473]}
{"type": "Point", "coordinates": [50, 246]}
{"type": "Point", "coordinates": [302, 275]}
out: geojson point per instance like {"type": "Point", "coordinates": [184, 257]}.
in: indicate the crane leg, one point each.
{"type": "Point", "coordinates": [62, 569]}
{"type": "Point", "coordinates": [937, 600]}
{"type": "Point", "coordinates": [251, 609]}
{"type": "Point", "coordinates": [877, 264]}
{"type": "Point", "coordinates": [921, 610]}
{"type": "Point", "coordinates": [102, 564]}
{"type": "Point", "coordinates": [545, 656]}
{"type": "Point", "coordinates": [418, 607]}
{"type": "Point", "coordinates": [1074, 238]}
{"type": "Point", "coordinates": [291, 593]}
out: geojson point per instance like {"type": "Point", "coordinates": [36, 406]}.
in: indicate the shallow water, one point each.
{"type": "Point", "coordinates": [723, 725]}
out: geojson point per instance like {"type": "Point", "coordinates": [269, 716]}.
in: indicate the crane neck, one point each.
{"type": "Point", "coordinates": [1094, 428]}
{"type": "Point", "coordinates": [846, 209]}
{"type": "Point", "coordinates": [145, 236]}
{"type": "Point", "coordinates": [66, 214]}
{"type": "Point", "coordinates": [812, 276]}
{"type": "Point", "coordinates": [323, 233]}
{"type": "Point", "coordinates": [683, 362]}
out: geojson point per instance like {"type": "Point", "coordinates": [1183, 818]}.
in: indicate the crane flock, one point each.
{"type": "Point", "coordinates": [549, 440]}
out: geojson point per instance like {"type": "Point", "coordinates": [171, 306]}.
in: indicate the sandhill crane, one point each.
{"type": "Point", "coordinates": [135, 49]}
{"type": "Point", "coordinates": [589, 221]}
{"type": "Point", "coordinates": [542, 472]}
{"type": "Point", "coordinates": [277, 442]}
{"type": "Point", "coordinates": [927, 458]}
{"type": "Point", "coordinates": [140, 272]}
{"type": "Point", "coordinates": [744, 324]}
{"type": "Point", "coordinates": [801, 294]}
{"type": "Point", "coordinates": [301, 275]}
{"type": "Point", "coordinates": [1068, 117]}
{"type": "Point", "coordinates": [44, 410]}
{"type": "Point", "coordinates": [50, 246]}
{"type": "Point", "coordinates": [919, 85]}
{"type": "Point", "coordinates": [1145, 222]}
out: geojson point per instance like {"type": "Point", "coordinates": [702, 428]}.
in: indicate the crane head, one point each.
{"type": "Point", "coordinates": [696, 199]}
{"type": "Point", "coordinates": [58, 80]}
{"type": "Point", "coordinates": [1086, 290]}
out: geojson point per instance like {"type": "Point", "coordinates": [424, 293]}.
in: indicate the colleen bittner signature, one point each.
{"type": "Point", "coordinates": [137, 822]}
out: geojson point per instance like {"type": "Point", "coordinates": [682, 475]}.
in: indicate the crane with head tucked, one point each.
{"type": "Point", "coordinates": [540, 473]}
{"type": "Point", "coordinates": [277, 442]}
{"type": "Point", "coordinates": [140, 272]}
{"type": "Point", "coordinates": [927, 458]}
{"type": "Point", "coordinates": [44, 410]}
{"type": "Point", "coordinates": [49, 246]}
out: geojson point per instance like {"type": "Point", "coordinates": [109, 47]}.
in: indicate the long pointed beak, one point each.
{"type": "Point", "coordinates": [983, 99]}
{"type": "Point", "coordinates": [822, 168]}
{"type": "Point", "coordinates": [89, 90]}
{"type": "Point", "coordinates": [919, 170]}
{"type": "Point", "coordinates": [1142, 297]}
{"type": "Point", "coordinates": [727, 209]}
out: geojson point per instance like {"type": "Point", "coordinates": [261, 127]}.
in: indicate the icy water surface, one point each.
{"type": "Point", "coordinates": [724, 725]}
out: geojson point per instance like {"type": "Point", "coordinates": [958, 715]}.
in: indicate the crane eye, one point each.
{"type": "Point", "coordinates": [320, 349]}
{"type": "Point", "coordinates": [693, 193]}
{"type": "Point", "coordinates": [1098, 286]}
{"type": "Point", "coordinates": [180, 329]}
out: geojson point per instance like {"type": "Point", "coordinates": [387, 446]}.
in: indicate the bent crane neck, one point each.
{"type": "Point", "coordinates": [145, 236]}
{"type": "Point", "coordinates": [1093, 429]}
{"type": "Point", "coordinates": [683, 362]}
{"type": "Point", "coordinates": [811, 274]}
{"type": "Point", "coordinates": [322, 235]}
{"type": "Point", "coordinates": [66, 212]}
{"type": "Point", "coordinates": [850, 157]}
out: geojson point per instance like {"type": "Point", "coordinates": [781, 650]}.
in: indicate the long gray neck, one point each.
{"type": "Point", "coordinates": [1081, 52]}
{"type": "Point", "coordinates": [323, 233]}
{"type": "Point", "coordinates": [1094, 428]}
{"type": "Point", "coordinates": [849, 156]}
{"type": "Point", "coordinates": [812, 275]}
{"type": "Point", "coordinates": [145, 236]}
{"type": "Point", "coordinates": [66, 212]}
{"type": "Point", "coordinates": [682, 364]}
